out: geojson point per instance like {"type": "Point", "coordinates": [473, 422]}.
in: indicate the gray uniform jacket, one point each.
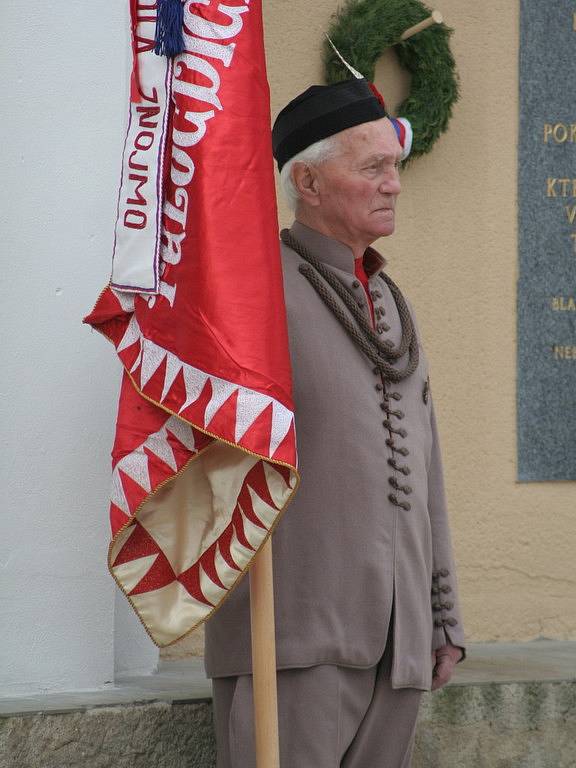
{"type": "Point", "coordinates": [368, 526]}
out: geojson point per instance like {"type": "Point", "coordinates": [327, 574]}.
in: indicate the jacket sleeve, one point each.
{"type": "Point", "coordinates": [446, 614]}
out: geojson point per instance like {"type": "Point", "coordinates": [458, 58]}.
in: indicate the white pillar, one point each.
{"type": "Point", "coordinates": [134, 651]}
{"type": "Point", "coordinates": [65, 68]}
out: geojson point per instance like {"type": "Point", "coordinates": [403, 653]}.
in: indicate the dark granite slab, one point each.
{"type": "Point", "coordinates": [546, 386]}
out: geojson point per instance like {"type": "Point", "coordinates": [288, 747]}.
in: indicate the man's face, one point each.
{"type": "Point", "coordinates": [359, 185]}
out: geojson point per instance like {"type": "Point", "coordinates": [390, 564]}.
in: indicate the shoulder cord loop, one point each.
{"type": "Point", "coordinates": [379, 352]}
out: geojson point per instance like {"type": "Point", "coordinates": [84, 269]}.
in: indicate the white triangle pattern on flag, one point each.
{"type": "Point", "coordinates": [250, 406]}
{"type": "Point", "coordinates": [120, 540]}
{"type": "Point", "coordinates": [221, 391]}
{"type": "Point", "coordinates": [281, 422]}
{"type": "Point", "coordinates": [135, 465]}
{"type": "Point", "coordinates": [182, 431]}
{"type": "Point", "coordinates": [194, 381]}
{"type": "Point", "coordinates": [138, 359]}
{"type": "Point", "coordinates": [226, 573]}
{"type": "Point", "coordinates": [126, 299]}
{"type": "Point", "coordinates": [152, 357]}
{"type": "Point", "coordinates": [276, 482]}
{"type": "Point", "coordinates": [240, 554]}
{"type": "Point", "coordinates": [250, 403]}
{"type": "Point", "coordinates": [173, 367]}
{"type": "Point", "coordinates": [131, 573]}
{"type": "Point", "coordinates": [254, 533]}
{"type": "Point", "coordinates": [210, 590]}
{"type": "Point", "coordinates": [117, 495]}
{"type": "Point", "coordinates": [262, 510]}
{"type": "Point", "coordinates": [131, 335]}
{"type": "Point", "coordinates": [159, 446]}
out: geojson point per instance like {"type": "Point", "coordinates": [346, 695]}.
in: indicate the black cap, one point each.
{"type": "Point", "coordinates": [322, 111]}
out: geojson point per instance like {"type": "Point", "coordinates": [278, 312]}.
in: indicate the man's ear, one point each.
{"type": "Point", "coordinates": [305, 179]}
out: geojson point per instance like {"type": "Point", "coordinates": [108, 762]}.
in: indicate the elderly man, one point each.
{"type": "Point", "coordinates": [367, 613]}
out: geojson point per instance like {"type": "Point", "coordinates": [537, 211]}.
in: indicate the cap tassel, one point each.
{"type": "Point", "coordinates": [169, 23]}
{"type": "Point", "coordinates": [135, 96]}
{"type": "Point", "coordinates": [349, 67]}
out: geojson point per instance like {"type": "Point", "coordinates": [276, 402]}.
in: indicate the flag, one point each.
{"type": "Point", "coordinates": [204, 460]}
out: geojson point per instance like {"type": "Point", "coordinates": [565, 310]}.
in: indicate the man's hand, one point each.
{"type": "Point", "coordinates": [444, 660]}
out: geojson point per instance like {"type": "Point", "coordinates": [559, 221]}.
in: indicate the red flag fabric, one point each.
{"type": "Point", "coordinates": [204, 460]}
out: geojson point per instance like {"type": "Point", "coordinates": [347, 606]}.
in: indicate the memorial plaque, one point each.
{"type": "Point", "coordinates": [546, 388]}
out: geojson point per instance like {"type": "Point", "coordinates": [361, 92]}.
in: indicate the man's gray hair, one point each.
{"type": "Point", "coordinates": [315, 154]}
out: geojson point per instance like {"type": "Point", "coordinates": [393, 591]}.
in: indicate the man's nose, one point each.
{"type": "Point", "coordinates": [391, 185]}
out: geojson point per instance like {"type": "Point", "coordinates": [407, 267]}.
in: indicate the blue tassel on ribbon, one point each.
{"type": "Point", "coordinates": [169, 23]}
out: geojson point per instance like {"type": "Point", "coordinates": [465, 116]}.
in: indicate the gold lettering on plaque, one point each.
{"type": "Point", "coordinates": [564, 303]}
{"type": "Point", "coordinates": [560, 187]}
{"type": "Point", "coordinates": [559, 133]}
{"type": "Point", "coordinates": [564, 352]}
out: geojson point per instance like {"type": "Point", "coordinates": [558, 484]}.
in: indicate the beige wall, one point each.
{"type": "Point", "coordinates": [455, 256]}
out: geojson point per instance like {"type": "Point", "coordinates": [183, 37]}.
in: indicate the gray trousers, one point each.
{"type": "Point", "coordinates": [328, 717]}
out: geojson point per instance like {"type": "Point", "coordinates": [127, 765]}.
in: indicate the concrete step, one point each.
{"type": "Point", "coordinates": [508, 706]}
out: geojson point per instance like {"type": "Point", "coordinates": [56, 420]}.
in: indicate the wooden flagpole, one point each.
{"type": "Point", "coordinates": [264, 659]}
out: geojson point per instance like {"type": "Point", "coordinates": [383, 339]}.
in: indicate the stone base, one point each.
{"type": "Point", "coordinates": [524, 718]}
{"type": "Point", "coordinates": [157, 735]}
{"type": "Point", "coordinates": [494, 725]}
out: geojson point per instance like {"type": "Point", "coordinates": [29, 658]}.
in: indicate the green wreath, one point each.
{"type": "Point", "coordinates": [363, 29]}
